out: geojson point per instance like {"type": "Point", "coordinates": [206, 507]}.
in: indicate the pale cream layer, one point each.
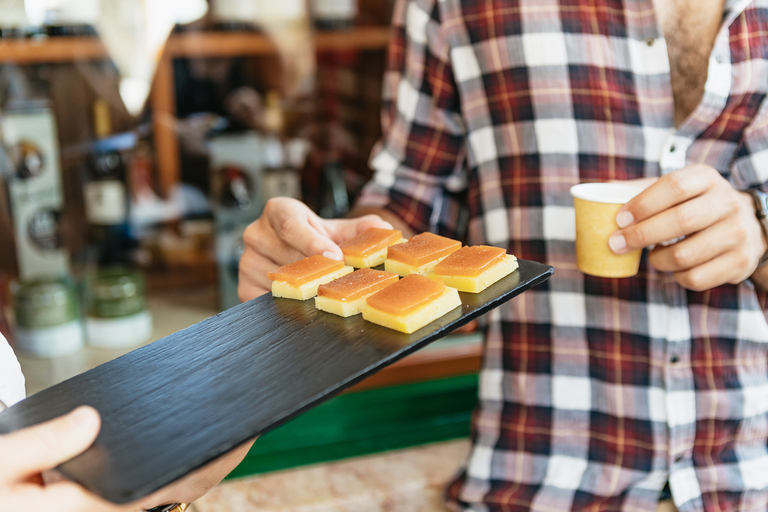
{"type": "Point", "coordinates": [308, 289]}
{"type": "Point", "coordinates": [341, 308]}
{"type": "Point", "coordinates": [503, 268]}
{"type": "Point", "coordinates": [372, 260]}
{"type": "Point", "coordinates": [417, 319]}
{"type": "Point", "coordinates": [404, 269]}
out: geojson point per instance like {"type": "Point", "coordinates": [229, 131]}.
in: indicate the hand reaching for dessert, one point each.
{"type": "Point", "coordinates": [288, 231]}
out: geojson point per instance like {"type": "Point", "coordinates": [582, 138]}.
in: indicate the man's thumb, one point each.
{"type": "Point", "coordinates": [45, 446]}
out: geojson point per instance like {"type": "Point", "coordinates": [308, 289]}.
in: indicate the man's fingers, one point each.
{"type": "Point", "coordinates": [260, 239]}
{"type": "Point", "coordinates": [694, 250]}
{"type": "Point", "coordinates": [341, 230]}
{"type": "Point", "coordinates": [681, 220]}
{"type": "Point", "coordinates": [252, 275]}
{"type": "Point", "coordinates": [301, 233]}
{"type": "Point", "coordinates": [721, 270]}
{"type": "Point", "coordinates": [247, 291]}
{"type": "Point", "coordinates": [668, 191]}
{"type": "Point", "coordinates": [66, 496]}
{"type": "Point", "coordinates": [45, 446]}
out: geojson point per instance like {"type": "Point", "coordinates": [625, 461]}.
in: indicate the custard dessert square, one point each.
{"type": "Point", "coordinates": [346, 296]}
{"type": "Point", "coordinates": [419, 254]}
{"type": "Point", "coordinates": [411, 303]}
{"type": "Point", "coordinates": [300, 280]}
{"type": "Point", "coordinates": [369, 248]}
{"type": "Point", "coordinates": [462, 274]}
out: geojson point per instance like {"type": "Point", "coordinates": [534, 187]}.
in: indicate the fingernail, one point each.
{"type": "Point", "coordinates": [82, 417]}
{"type": "Point", "coordinates": [617, 243]}
{"type": "Point", "coordinates": [389, 226]}
{"type": "Point", "coordinates": [331, 255]}
{"type": "Point", "coordinates": [624, 219]}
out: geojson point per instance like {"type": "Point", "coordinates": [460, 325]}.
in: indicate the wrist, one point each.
{"type": "Point", "coordinates": [760, 202]}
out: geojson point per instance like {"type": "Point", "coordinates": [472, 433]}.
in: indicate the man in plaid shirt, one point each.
{"type": "Point", "coordinates": [595, 394]}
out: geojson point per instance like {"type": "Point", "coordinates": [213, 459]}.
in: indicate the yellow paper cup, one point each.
{"type": "Point", "coordinates": [596, 207]}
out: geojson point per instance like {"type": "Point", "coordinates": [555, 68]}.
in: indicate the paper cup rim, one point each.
{"type": "Point", "coordinates": [610, 193]}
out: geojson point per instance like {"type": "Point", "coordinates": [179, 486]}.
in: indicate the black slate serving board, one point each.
{"type": "Point", "coordinates": [174, 405]}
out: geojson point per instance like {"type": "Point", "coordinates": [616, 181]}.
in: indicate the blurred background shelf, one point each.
{"type": "Point", "coordinates": [222, 44]}
{"type": "Point", "coordinates": [229, 44]}
{"type": "Point", "coordinates": [51, 49]}
{"type": "Point", "coordinates": [232, 44]}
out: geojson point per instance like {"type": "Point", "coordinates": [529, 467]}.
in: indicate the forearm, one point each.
{"type": "Point", "coordinates": [199, 482]}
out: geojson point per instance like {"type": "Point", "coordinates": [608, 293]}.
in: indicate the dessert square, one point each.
{"type": "Point", "coordinates": [411, 303]}
{"type": "Point", "coordinates": [346, 295]}
{"type": "Point", "coordinates": [300, 280]}
{"type": "Point", "coordinates": [369, 248]}
{"type": "Point", "coordinates": [473, 269]}
{"type": "Point", "coordinates": [420, 254]}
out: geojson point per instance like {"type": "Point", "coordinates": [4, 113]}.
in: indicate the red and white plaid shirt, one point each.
{"type": "Point", "coordinates": [594, 392]}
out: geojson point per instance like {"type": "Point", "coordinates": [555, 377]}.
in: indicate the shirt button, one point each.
{"type": "Point", "coordinates": [672, 148]}
{"type": "Point", "coordinates": [719, 59]}
{"type": "Point", "coordinates": [674, 359]}
{"type": "Point", "coordinates": [650, 41]}
{"type": "Point", "coordinates": [678, 458]}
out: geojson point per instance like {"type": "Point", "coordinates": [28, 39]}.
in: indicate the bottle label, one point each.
{"type": "Point", "coordinates": [117, 308]}
{"type": "Point", "coordinates": [55, 341]}
{"type": "Point", "coordinates": [118, 332]}
{"type": "Point", "coordinates": [334, 9]}
{"type": "Point", "coordinates": [105, 202]}
{"type": "Point", "coordinates": [44, 230]}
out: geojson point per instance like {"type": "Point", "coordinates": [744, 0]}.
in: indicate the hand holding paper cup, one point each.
{"type": "Point", "coordinates": [596, 207]}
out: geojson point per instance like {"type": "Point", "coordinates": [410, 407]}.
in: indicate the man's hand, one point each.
{"type": "Point", "coordinates": [723, 240]}
{"type": "Point", "coordinates": [197, 483]}
{"type": "Point", "coordinates": [29, 452]}
{"type": "Point", "coordinates": [289, 231]}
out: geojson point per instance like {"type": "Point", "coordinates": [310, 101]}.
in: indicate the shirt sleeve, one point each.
{"type": "Point", "coordinates": [750, 167]}
{"type": "Point", "coordinates": [11, 379]}
{"type": "Point", "coordinates": [419, 164]}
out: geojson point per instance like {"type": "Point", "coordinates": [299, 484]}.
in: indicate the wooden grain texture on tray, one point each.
{"type": "Point", "coordinates": [172, 406]}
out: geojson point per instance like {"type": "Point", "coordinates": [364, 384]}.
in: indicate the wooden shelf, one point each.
{"type": "Point", "coordinates": [234, 44]}
{"type": "Point", "coordinates": [218, 44]}
{"type": "Point", "coordinates": [228, 44]}
{"type": "Point", "coordinates": [189, 45]}
{"type": "Point", "coordinates": [51, 49]}
{"type": "Point", "coordinates": [363, 38]}
{"type": "Point", "coordinates": [198, 44]}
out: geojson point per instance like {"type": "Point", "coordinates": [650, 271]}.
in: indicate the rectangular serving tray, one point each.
{"type": "Point", "coordinates": [172, 406]}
